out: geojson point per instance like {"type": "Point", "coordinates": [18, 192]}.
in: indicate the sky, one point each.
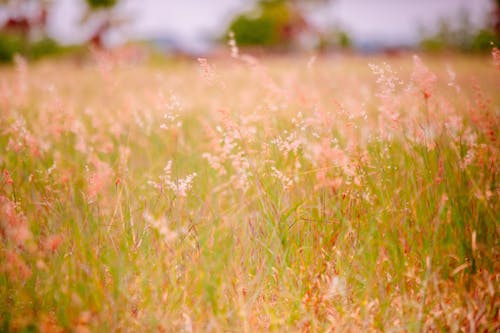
{"type": "Point", "coordinates": [387, 21]}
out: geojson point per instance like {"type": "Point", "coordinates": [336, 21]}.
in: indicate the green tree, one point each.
{"type": "Point", "coordinates": [105, 8]}
{"type": "Point", "coordinates": [282, 24]}
{"type": "Point", "coordinates": [24, 30]}
{"type": "Point", "coordinates": [265, 25]}
{"type": "Point", "coordinates": [458, 33]}
{"type": "Point", "coordinates": [99, 4]}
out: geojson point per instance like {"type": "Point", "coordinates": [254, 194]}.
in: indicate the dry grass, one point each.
{"type": "Point", "coordinates": [301, 195]}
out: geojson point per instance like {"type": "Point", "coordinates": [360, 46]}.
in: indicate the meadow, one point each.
{"type": "Point", "coordinates": [240, 194]}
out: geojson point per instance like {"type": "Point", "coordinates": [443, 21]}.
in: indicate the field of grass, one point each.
{"type": "Point", "coordinates": [239, 195]}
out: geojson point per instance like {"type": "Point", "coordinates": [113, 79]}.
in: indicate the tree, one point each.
{"type": "Point", "coordinates": [275, 23]}
{"type": "Point", "coordinates": [24, 30]}
{"type": "Point", "coordinates": [108, 20]}
{"type": "Point", "coordinates": [458, 33]}
{"type": "Point", "coordinates": [496, 17]}
{"type": "Point", "coordinates": [100, 4]}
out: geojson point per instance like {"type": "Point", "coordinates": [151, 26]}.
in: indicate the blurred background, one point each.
{"type": "Point", "coordinates": [38, 28]}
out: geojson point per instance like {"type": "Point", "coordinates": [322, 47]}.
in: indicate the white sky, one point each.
{"type": "Point", "coordinates": [391, 21]}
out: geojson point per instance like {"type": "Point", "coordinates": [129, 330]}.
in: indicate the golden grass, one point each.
{"type": "Point", "coordinates": [302, 194]}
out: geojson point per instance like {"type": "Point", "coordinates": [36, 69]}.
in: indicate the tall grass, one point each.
{"type": "Point", "coordinates": [285, 194]}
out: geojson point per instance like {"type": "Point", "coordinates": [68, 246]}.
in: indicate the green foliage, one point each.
{"type": "Point", "coordinates": [334, 40]}
{"type": "Point", "coordinates": [481, 42]}
{"type": "Point", "coordinates": [10, 45]}
{"type": "Point", "coordinates": [264, 26]}
{"type": "Point", "coordinates": [98, 4]}
{"type": "Point", "coordinates": [433, 44]}
{"type": "Point", "coordinates": [254, 31]}
{"type": "Point", "coordinates": [275, 23]}
{"type": "Point", "coordinates": [44, 47]}
{"type": "Point", "coordinates": [344, 40]}
{"type": "Point", "coordinates": [460, 35]}
{"type": "Point", "coordinates": [484, 40]}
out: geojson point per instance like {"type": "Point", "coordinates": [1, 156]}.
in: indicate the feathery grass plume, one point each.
{"type": "Point", "coordinates": [52, 242]}
{"type": "Point", "coordinates": [208, 72]}
{"type": "Point", "coordinates": [161, 226]}
{"type": "Point", "coordinates": [495, 53]}
{"type": "Point", "coordinates": [16, 267]}
{"type": "Point", "coordinates": [21, 66]}
{"type": "Point", "coordinates": [294, 198]}
{"type": "Point", "coordinates": [233, 47]}
{"type": "Point", "coordinates": [423, 77]}
{"type": "Point", "coordinates": [180, 187]}
{"type": "Point", "coordinates": [15, 227]}
{"type": "Point", "coordinates": [285, 181]}
{"type": "Point", "coordinates": [99, 179]}
{"type": "Point", "coordinates": [173, 107]}
{"type": "Point", "coordinates": [387, 85]}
